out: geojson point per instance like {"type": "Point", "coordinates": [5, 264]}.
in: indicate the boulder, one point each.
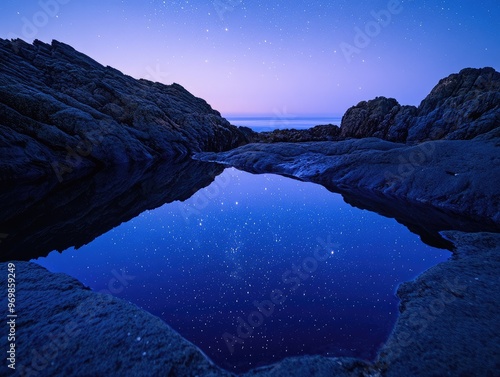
{"type": "Point", "coordinates": [381, 117]}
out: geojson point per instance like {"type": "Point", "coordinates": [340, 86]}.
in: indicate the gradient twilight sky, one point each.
{"type": "Point", "coordinates": [273, 57]}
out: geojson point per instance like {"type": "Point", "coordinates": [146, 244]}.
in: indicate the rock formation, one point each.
{"type": "Point", "coordinates": [460, 179]}
{"type": "Point", "coordinates": [62, 113]}
{"type": "Point", "coordinates": [381, 117]}
{"type": "Point", "coordinates": [460, 107]}
{"type": "Point", "coordinates": [66, 329]}
{"type": "Point", "coordinates": [448, 323]}
{"type": "Point", "coordinates": [327, 132]}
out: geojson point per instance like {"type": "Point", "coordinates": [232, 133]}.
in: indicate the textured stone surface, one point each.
{"type": "Point", "coordinates": [449, 322]}
{"type": "Point", "coordinates": [381, 117]}
{"type": "Point", "coordinates": [460, 107]}
{"type": "Point", "coordinates": [326, 132]}
{"type": "Point", "coordinates": [61, 110]}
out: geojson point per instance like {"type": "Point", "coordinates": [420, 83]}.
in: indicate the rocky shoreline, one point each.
{"type": "Point", "coordinates": [446, 175]}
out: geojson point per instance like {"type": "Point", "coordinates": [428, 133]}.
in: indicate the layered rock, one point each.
{"type": "Point", "coordinates": [460, 107]}
{"type": "Point", "coordinates": [61, 112]}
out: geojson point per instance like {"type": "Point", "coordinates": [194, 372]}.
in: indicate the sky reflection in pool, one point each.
{"type": "Point", "coordinates": [204, 266]}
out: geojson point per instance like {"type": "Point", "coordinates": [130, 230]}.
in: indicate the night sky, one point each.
{"type": "Point", "coordinates": [268, 57]}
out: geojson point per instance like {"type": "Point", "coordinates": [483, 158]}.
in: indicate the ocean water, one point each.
{"type": "Point", "coordinates": [281, 121]}
{"type": "Point", "coordinates": [256, 268]}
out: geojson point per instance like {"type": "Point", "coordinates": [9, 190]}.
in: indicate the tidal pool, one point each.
{"type": "Point", "coordinates": [256, 268]}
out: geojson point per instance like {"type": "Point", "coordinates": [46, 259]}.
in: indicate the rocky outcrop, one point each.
{"type": "Point", "coordinates": [328, 132]}
{"type": "Point", "coordinates": [448, 326]}
{"type": "Point", "coordinates": [382, 167]}
{"type": "Point", "coordinates": [381, 117]}
{"type": "Point", "coordinates": [45, 216]}
{"type": "Point", "coordinates": [63, 113]}
{"type": "Point", "coordinates": [460, 107]}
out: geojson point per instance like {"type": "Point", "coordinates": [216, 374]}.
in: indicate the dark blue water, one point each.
{"type": "Point", "coordinates": [322, 272]}
{"type": "Point", "coordinates": [281, 120]}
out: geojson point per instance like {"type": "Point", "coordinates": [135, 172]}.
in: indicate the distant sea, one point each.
{"type": "Point", "coordinates": [270, 123]}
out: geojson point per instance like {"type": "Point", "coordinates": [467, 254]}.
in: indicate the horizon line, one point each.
{"type": "Point", "coordinates": [278, 116]}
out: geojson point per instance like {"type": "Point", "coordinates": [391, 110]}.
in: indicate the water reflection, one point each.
{"type": "Point", "coordinates": [235, 262]}
{"type": "Point", "coordinates": [43, 216]}
{"type": "Point", "coordinates": [322, 272]}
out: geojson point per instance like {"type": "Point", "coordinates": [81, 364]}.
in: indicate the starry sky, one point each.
{"type": "Point", "coordinates": [201, 264]}
{"type": "Point", "coordinates": [300, 57]}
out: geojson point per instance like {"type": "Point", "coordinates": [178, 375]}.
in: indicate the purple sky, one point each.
{"type": "Point", "coordinates": [269, 57]}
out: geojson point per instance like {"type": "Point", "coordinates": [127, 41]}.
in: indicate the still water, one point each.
{"type": "Point", "coordinates": [255, 268]}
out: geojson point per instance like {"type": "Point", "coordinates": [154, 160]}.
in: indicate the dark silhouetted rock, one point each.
{"type": "Point", "coordinates": [381, 117]}
{"type": "Point", "coordinates": [461, 107]}
{"type": "Point", "coordinates": [327, 132]}
{"type": "Point", "coordinates": [61, 112]}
